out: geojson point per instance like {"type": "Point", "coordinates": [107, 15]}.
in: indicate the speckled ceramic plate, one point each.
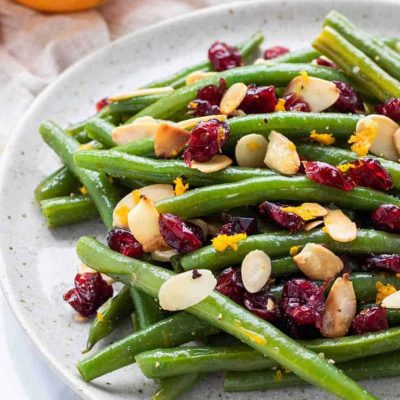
{"type": "Point", "coordinates": [38, 265]}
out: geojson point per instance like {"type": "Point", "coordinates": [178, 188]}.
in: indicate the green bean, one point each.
{"type": "Point", "coordinates": [392, 42]}
{"type": "Point", "coordinates": [297, 56]}
{"type": "Point", "coordinates": [372, 46]}
{"type": "Point", "coordinates": [247, 327]}
{"type": "Point", "coordinates": [278, 75]}
{"type": "Point", "coordinates": [173, 331]}
{"type": "Point", "coordinates": [141, 147]}
{"type": "Point", "coordinates": [111, 313]}
{"type": "Point", "coordinates": [279, 244]}
{"type": "Point", "coordinates": [78, 130]}
{"type": "Point", "coordinates": [356, 65]}
{"type": "Point", "coordinates": [60, 183]}
{"type": "Point", "coordinates": [380, 366]}
{"type": "Point", "coordinates": [101, 131]}
{"type": "Point", "coordinates": [67, 210]}
{"type": "Point", "coordinates": [283, 266]}
{"type": "Point", "coordinates": [104, 194]}
{"type": "Point", "coordinates": [134, 105]}
{"type": "Point", "coordinates": [147, 309]}
{"type": "Point", "coordinates": [335, 156]}
{"type": "Point", "coordinates": [172, 388]}
{"type": "Point", "coordinates": [216, 198]}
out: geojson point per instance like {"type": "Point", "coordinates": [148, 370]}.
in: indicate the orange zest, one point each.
{"type": "Point", "coordinates": [322, 138]}
{"type": "Point", "coordinates": [222, 242]}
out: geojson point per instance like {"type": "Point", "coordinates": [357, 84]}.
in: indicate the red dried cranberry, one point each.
{"type": "Point", "coordinates": [370, 173]}
{"type": "Point", "coordinates": [303, 302]}
{"type": "Point", "coordinates": [288, 220]}
{"type": "Point", "coordinates": [371, 319]}
{"type": "Point", "coordinates": [124, 242]}
{"type": "Point", "coordinates": [212, 93]}
{"type": "Point", "coordinates": [324, 62]}
{"type": "Point", "coordinates": [206, 140]}
{"type": "Point", "coordinates": [201, 108]}
{"type": "Point", "coordinates": [178, 234]}
{"type": "Point", "coordinates": [326, 174]}
{"type": "Point", "coordinates": [89, 293]}
{"type": "Point", "coordinates": [259, 99]}
{"type": "Point", "coordinates": [229, 283]}
{"type": "Point", "coordinates": [384, 262]}
{"type": "Point", "coordinates": [390, 108]}
{"type": "Point", "coordinates": [275, 51]}
{"type": "Point", "coordinates": [387, 218]}
{"type": "Point", "coordinates": [349, 100]}
{"type": "Point", "coordinates": [239, 225]}
{"type": "Point", "coordinates": [223, 56]}
{"type": "Point", "coordinates": [263, 304]}
{"type": "Point", "coordinates": [101, 104]}
{"type": "Point", "coordinates": [295, 103]}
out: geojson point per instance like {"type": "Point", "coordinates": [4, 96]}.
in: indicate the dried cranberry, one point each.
{"type": "Point", "coordinates": [89, 293]}
{"type": "Point", "coordinates": [390, 108]}
{"type": "Point", "coordinates": [201, 108]}
{"type": "Point", "coordinates": [263, 304]}
{"type": "Point", "coordinates": [371, 319]}
{"type": "Point", "coordinates": [259, 99]}
{"type": "Point", "coordinates": [349, 100]}
{"type": "Point", "coordinates": [384, 262]}
{"type": "Point", "coordinates": [101, 104]}
{"type": "Point", "coordinates": [326, 174]}
{"type": "Point", "coordinates": [229, 283]}
{"type": "Point", "coordinates": [295, 103]}
{"type": "Point", "coordinates": [178, 234]}
{"type": "Point", "coordinates": [387, 218]}
{"type": "Point", "coordinates": [288, 220]}
{"type": "Point", "coordinates": [124, 242]}
{"type": "Point", "coordinates": [223, 56]}
{"type": "Point", "coordinates": [324, 62]}
{"type": "Point", "coordinates": [239, 225]}
{"type": "Point", "coordinates": [275, 51]}
{"type": "Point", "coordinates": [370, 173]}
{"type": "Point", "coordinates": [206, 140]}
{"type": "Point", "coordinates": [303, 302]}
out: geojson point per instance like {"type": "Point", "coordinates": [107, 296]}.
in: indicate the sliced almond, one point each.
{"type": "Point", "coordinates": [318, 262]}
{"type": "Point", "coordinates": [232, 98]}
{"type": "Point", "coordinates": [384, 144]}
{"type": "Point", "coordinates": [163, 255]}
{"type": "Point", "coordinates": [318, 93]}
{"type": "Point", "coordinates": [186, 289]}
{"type": "Point", "coordinates": [201, 224]}
{"type": "Point", "coordinates": [259, 61]}
{"type": "Point", "coordinates": [84, 269]}
{"type": "Point", "coordinates": [139, 129]}
{"type": "Point", "coordinates": [339, 226]}
{"type": "Point", "coordinates": [141, 92]}
{"type": "Point", "coordinates": [392, 301]}
{"type": "Point", "coordinates": [217, 163]}
{"type": "Point", "coordinates": [143, 223]}
{"type": "Point", "coordinates": [340, 309]}
{"type": "Point", "coordinates": [282, 155]}
{"type": "Point", "coordinates": [313, 224]}
{"type": "Point", "coordinates": [256, 270]}
{"type": "Point", "coordinates": [196, 76]}
{"type": "Point", "coordinates": [156, 192]}
{"type": "Point", "coordinates": [192, 122]}
{"type": "Point", "coordinates": [169, 140]}
{"type": "Point", "coordinates": [396, 138]}
{"type": "Point", "coordinates": [250, 150]}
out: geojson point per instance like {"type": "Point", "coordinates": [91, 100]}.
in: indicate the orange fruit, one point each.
{"type": "Point", "coordinates": [61, 5]}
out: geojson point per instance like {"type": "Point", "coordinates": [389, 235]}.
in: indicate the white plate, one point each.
{"type": "Point", "coordinates": [38, 265]}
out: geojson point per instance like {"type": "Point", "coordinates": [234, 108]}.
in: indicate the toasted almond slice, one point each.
{"type": "Point", "coordinates": [163, 255]}
{"type": "Point", "coordinates": [141, 92]}
{"type": "Point", "coordinates": [137, 130]}
{"type": "Point", "coordinates": [84, 269]}
{"type": "Point", "coordinates": [217, 163]}
{"type": "Point", "coordinates": [232, 98]}
{"type": "Point", "coordinates": [192, 122]}
{"type": "Point", "coordinates": [313, 224]}
{"type": "Point", "coordinates": [256, 270]}
{"type": "Point", "coordinates": [318, 262]}
{"type": "Point", "coordinates": [186, 289]}
{"type": "Point", "coordinates": [318, 93]}
{"type": "Point", "coordinates": [201, 224]}
{"type": "Point", "coordinates": [396, 138]}
{"type": "Point", "coordinates": [143, 223]}
{"type": "Point", "coordinates": [156, 192]}
{"type": "Point", "coordinates": [384, 142]}
{"type": "Point", "coordinates": [282, 155]}
{"type": "Point", "coordinates": [392, 301]}
{"type": "Point", "coordinates": [196, 76]}
{"type": "Point", "coordinates": [250, 151]}
{"type": "Point", "coordinates": [169, 140]}
{"type": "Point", "coordinates": [339, 226]}
{"type": "Point", "coordinates": [340, 309]}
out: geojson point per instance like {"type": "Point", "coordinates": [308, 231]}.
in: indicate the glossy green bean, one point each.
{"type": "Point", "coordinates": [172, 388]}
{"type": "Point", "coordinates": [134, 105]}
{"type": "Point", "coordinates": [279, 244]}
{"type": "Point", "coordinates": [147, 309]}
{"type": "Point", "coordinates": [283, 266]}
{"type": "Point", "coordinates": [247, 327]}
{"type": "Point", "coordinates": [296, 56]}
{"type": "Point", "coordinates": [101, 131]}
